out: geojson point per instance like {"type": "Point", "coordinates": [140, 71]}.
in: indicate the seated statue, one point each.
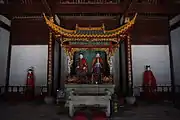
{"type": "Point", "coordinates": [81, 67]}
{"type": "Point", "coordinates": [97, 68]}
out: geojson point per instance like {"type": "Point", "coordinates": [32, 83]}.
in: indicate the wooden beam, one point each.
{"type": "Point", "coordinates": [47, 7]}
{"type": "Point", "coordinates": [20, 9]}
{"type": "Point", "coordinates": [38, 8]}
{"type": "Point", "coordinates": [5, 26]}
{"type": "Point", "coordinates": [175, 26]}
{"type": "Point", "coordinates": [71, 24]}
{"type": "Point", "coordinates": [87, 8]}
{"type": "Point", "coordinates": [90, 46]}
{"type": "Point", "coordinates": [151, 8]}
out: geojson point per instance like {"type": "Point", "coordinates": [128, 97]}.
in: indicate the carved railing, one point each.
{"type": "Point", "coordinates": [162, 92]}
{"type": "Point", "coordinates": [19, 92]}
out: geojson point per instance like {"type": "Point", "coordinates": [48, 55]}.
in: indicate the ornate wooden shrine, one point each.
{"type": "Point", "coordinates": [96, 39]}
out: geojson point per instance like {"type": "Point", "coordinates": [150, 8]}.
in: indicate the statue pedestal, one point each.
{"type": "Point", "coordinates": [84, 95]}
{"type": "Point", "coordinates": [49, 100]}
{"type": "Point", "coordinates": [93, 101]}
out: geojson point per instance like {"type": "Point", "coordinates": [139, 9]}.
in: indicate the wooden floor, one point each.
{"type": "Point", "coordinates": [36, 111]}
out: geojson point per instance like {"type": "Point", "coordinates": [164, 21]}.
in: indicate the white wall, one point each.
{"type": "Point", "coordinates": [157, 56]}
{"type": "Point", "coordinates": [25, 56]}
{"type": "Point", "coordinates": [4, 47]}
{"type": "Point", "coordinates": [175, 42]}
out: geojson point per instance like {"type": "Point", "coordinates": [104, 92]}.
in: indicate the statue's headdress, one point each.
{"type": "Point", "coordinates": [147, 66]}
{"type": "Point", "coordinates": [31, 68]}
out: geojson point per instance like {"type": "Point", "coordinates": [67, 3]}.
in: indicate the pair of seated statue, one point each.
{"type": "Point", "coordinates": [82, 70]}
{"type": "Point", "coordinates": [82, 66]}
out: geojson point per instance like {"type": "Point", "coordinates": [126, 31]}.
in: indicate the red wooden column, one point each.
{"type": "Point", "coordinates": [129, 64]}
{"type": "Point", "coordinates": [50, 62]}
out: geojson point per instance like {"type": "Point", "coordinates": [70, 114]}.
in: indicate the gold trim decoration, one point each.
{"type": "Point", "coordinates": [107, 33]}
{"type": "Point", "coordinates": [49, 77]}
{"type": "Point", "coordinates": [87, 39]}
{"type": "Point", "coordinates": [50, 59]}
{"type": "Point", "coordinates": [129, 60]}
{"type": "Point", "coordinates": [90, 28]}
{"type": "Point", "coordinates": [50, 53]}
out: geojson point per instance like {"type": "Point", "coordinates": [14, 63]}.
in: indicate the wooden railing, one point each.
{"type": "Point", "coordinates": [162, 92]}
{"type": "Point", "coordinates": [19, 92]}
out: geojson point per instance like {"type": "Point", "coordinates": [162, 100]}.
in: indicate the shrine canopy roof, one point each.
{"type": "Point", "coordinates": [89, 32]}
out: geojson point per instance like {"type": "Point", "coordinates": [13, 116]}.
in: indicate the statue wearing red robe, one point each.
{"type": "Point", "coordinates": [30, 83]}
{"type": "Point", "coordinates": [149, 83]}
{"type": "Point", "coordinates": [82, 66]}
{"type": "Point", "coordinates": [97, 64]}
{"type": "Point", "coordinates": [97, 69]}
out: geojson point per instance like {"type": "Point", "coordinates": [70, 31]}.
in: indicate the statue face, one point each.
{"type": "Point", "coordinates": [30, 71]}
{"type": "Point", "coordinates": [97, 55]}
{"type": "Point", "coordinates": [148, 68]}
{"type": "Point", "coordinates": [80, 56]}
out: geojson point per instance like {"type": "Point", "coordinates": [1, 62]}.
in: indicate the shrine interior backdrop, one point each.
{"type": "Point", "coordinates": [32, 51]}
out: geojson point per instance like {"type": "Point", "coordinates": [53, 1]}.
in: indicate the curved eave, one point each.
{"type": "Point", "coordinates": [72, 33]}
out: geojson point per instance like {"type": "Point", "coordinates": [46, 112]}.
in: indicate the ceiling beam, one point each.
{"type": "Point", "coordinates": [38, 8]}
{"type": "Point", "coordinates": [47, 7]}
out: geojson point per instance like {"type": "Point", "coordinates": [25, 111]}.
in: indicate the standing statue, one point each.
{"type": "Point", "coordinates": [149, 83]}
{"type": "Point", "coordinates": [97, 68]}
{"type": "Point", "coordinates": [81, 67]}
